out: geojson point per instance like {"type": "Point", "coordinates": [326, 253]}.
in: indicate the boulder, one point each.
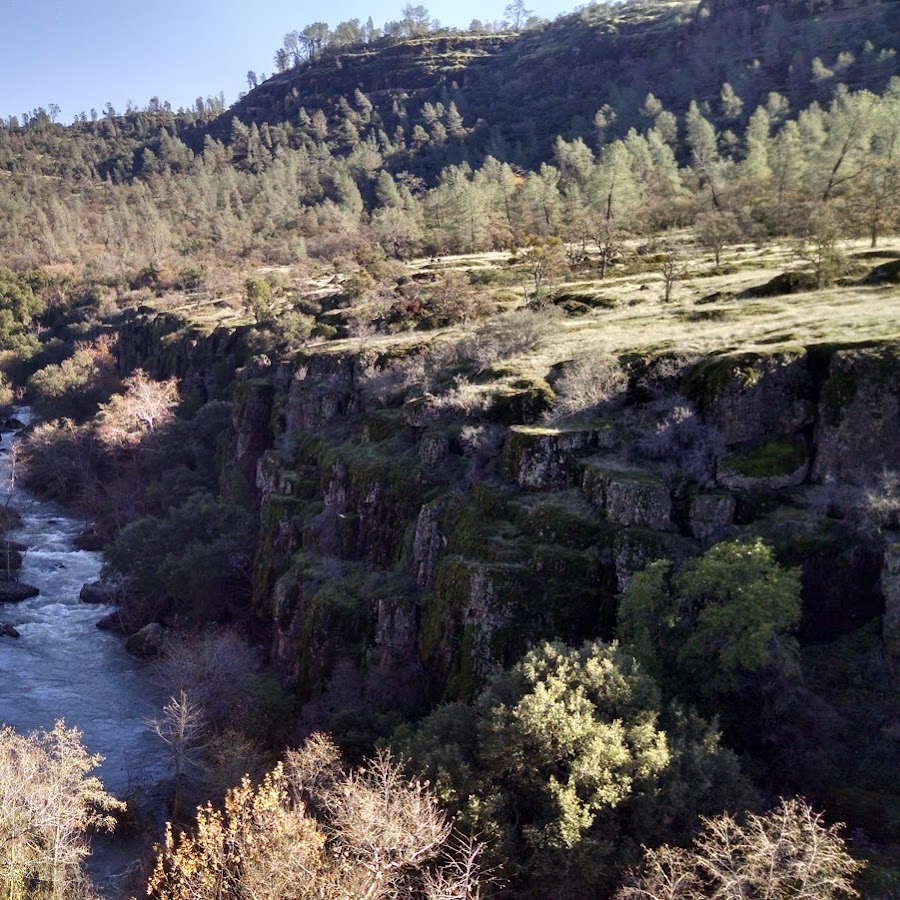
{"type": "Point", "coordinates": [112, 622]}
{"type": "Point", "coordinates": [13, 424]}
{"type": "Point", "coordinates": [99, 592]}
{"type": "Point", "coordinates": [16, 592]}
{"type": "Point", "coordinates": [7, 630]}
{"type": "Point", "coordinates": [149, 642]}
{"type": "Point", "coordinates": [89, 540]}
{"type": "Point", "coordinates": [18, 546]}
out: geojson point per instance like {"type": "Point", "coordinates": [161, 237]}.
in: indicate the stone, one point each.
{"type": "Point", "coordinates": [754, 398]}
{"type": "Point", "coordinates": [7, 630]}
{"type": "Point", "coordinates": [711, 516]}
{"type": "Point", "coordinates": [149, 642]}
{"type": "Point", "coordinates": [543, 458]}
{"type": "Point", "coordinates": [89, 540]}
{"type": "Point", "coordinates": [429, 543]}
{"type": "Point", "coordinates": [16, 592]}
{"type": "Point", "coordinates": [99, 592]}
{"type": "Point", "coordinates": [890, 587]}
{"type": "Point", "coordinates": [434, 448]}
{"type": "Point", "coordinates": [628, 496]}
{"type": "Point", "coordinates": [10, 559]}
{"type": "Point", "coordinates": [858, 428]}
{"type": "Point", "coordinates": [112, 622]}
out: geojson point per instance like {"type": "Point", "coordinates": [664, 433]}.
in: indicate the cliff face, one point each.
{"type": "Point", "coordinates": [404, 552]}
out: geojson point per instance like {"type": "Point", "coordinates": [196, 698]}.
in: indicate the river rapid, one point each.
{"type": "Point", "coordinates": [63, 667]}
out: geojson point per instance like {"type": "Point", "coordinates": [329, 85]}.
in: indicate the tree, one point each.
{"type": "Point", "coordinates": [517, 14]}
{"type": "Point", "coordinates": [258, 297]}
{"type": "Point", "coordinates": [314, 38]}
{"type": "Point", "coordinates": [720, 625]}
{"type": "Point", "coordinates": [48, 803]}
{"type": "Point", "coordinates": [787, 854]}
{"type": "Point", "coordinates": [715, 229]}
{"type": "Point", "coordinates": [671, 267]}
{"type": "Point", "coordinates": [416, 20]}
{"type": "Point", "coordinates": [182, 728]}
{"type": "Point", "coordinates": [144, 407]}
{"type": "Point", "coordinates": [563, 765]}
{"type": "Point", "coordinates": [310, 830]}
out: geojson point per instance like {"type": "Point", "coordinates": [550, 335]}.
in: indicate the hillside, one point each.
{"type": "Point", "coordinates": [524, 402]}
{"type": "Point", "coordinates": [519, 91]}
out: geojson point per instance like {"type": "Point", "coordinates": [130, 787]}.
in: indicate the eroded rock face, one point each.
{"type": "Point", "coordinates": [472, 567]}
{"type": "Point", "coordinates": [711, 516]}
{"type": "Point", "coordinates": [629, 496]}
{"type": "Point", "coordinates": [858, 429]}
{"type": "Point", "coordinates": [543, 458]}
{"type": "Point", "coordinates": [890, 587]}
{"type": "Point", "coordinates": [252, 423]}
{"type": "Point", "coordinates": [752, 398]}
{"type": "Point", "coordinates": [429, 543]}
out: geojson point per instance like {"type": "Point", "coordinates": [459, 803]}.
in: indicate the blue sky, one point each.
{"type": "Point", "coordinates": [81, 54]}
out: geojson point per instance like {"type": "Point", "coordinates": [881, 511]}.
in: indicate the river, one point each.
{"type": "Point", "coordinates": [63, 667]}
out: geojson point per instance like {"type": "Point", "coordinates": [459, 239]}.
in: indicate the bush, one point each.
{"type": "Point", "coordinates": [310, 830]}
{"type": "Point", "coordinates": [48, 803]}
{"type": "Point", "coordinates": [510, 334]}
{"type": "Point", "coordinates": [721, 625]}
{"type": "Point", "coordinates": [587, 387]}
{"type": "Point", "coordinates": [563, 765]}
{"type": "Point", "coordinates": [788, 853]}
{"type": "Point", "coordinates": [194, 560]}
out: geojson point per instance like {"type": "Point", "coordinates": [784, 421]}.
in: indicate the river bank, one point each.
{"type": "Point", "coordinates": [63, 667]}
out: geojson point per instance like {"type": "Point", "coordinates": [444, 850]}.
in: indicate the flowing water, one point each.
{"type": "Point", "coordinates": [63, 667]}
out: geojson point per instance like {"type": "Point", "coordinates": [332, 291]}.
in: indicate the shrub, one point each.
{"type": "Point", "coordinates": [48, 803]}
{"type": "Point", "coordinates": [310, 830]}
{"type": "Point", "coordinates": [587, 386]}
{"type": "Point", "coordinates": [563, 765]}
{"type": "Point", "coordinates": [787, 853]}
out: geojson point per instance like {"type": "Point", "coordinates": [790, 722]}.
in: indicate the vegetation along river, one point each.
{"type": "Point", "coordinates": [63, 667]}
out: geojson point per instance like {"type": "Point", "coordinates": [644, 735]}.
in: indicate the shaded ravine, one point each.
{"type": "Point", "coordinates": [63, 667]}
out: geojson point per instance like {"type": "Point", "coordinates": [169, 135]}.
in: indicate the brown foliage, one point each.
{"type": "Point", "coordinates": [312, 831]}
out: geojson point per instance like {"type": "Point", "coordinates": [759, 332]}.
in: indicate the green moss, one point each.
{"type": "Point", "coordinates": [384, 424]}
{"type": "Point", "coordinates": [563, 518]}
{"type": "Point", "coordinates": [516, 405]}
{"type": "Point", "coordinates": [478, 537]}
{"type": "Point", "coordinates": [769, 461]}
{"type": "Point", "coordinates": [708, 377]}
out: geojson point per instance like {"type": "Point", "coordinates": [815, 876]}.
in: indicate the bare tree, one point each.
{"type": "Point", "coordinates": [48, 802]}
{"type": "Point", "coordinates": [182, 728]}
{"type": "Point", "coordinates": [788, 854]}
{"type": "Point", "coordinates": [311, 830]}
{"type": "Point", "coordinates": [672, 267]}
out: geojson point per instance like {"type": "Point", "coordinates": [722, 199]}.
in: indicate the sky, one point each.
{"type": "Point", "coordinates": [82, 54]}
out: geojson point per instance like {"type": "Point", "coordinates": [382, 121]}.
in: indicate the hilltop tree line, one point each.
{"type": "Point", "coordinates": [329, 187]}
{"type": "Point", "coordinates": [309, 43]}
